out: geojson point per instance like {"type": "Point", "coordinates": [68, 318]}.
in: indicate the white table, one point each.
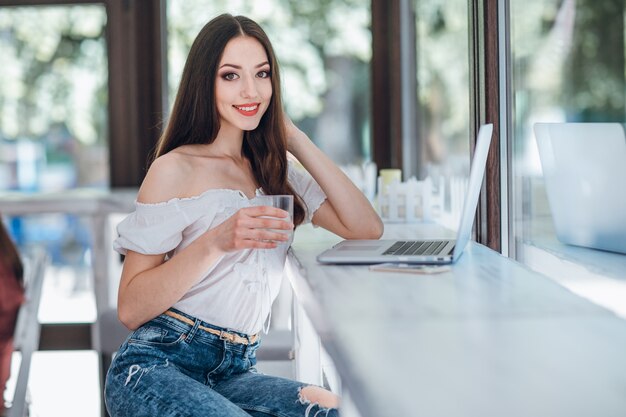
{"type": "Point", "coordinates": [97, 206]}
{"type": "Point", "coordinates": [489, 338]}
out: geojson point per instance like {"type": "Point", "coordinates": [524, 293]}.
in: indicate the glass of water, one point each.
{"type": "Point", "coordinates": [283, 202]}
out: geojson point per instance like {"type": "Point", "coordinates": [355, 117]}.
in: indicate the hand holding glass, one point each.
{"type": "Point", "coordinates": [283, 202]}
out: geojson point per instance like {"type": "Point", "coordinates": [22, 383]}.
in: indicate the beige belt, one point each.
{"type": "Point", "coordinates": [230, 337]}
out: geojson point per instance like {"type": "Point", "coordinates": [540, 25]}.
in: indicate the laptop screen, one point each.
{"type": "Point", "coordinates": [477, 173]}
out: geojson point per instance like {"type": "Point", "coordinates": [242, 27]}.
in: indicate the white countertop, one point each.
{"type": "Point", "coordinates": [77, 201]}
{"type": "Point", "coordinates": [488, 338]}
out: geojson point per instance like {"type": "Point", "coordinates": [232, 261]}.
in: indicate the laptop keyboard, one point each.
{"type": "Point", "coordinates": [416, 247]}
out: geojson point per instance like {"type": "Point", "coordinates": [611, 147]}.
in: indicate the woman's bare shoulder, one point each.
{"type": "Point", "coordinates": [166, 178]}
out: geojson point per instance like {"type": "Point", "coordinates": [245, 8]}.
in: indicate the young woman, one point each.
{"type": "Point", "coordinates": [203, 262]}
{"type": "Point", "coordinates": [11, 297]}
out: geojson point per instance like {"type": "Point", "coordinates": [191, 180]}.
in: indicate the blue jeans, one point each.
{"type": "Point", "coordinates": [170, 368]}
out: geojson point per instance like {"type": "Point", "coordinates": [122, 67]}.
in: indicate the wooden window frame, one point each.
{"type": "Point", "coordinates": [485, 97]}
{"type": "Point", "coordinates": [387, 105]}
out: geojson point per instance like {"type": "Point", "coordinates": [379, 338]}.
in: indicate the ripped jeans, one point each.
{"type": "Point", "coordinates": [170, 368]}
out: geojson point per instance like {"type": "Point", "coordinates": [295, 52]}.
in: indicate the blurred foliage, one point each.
{"type": "Point", "coordinates": [568, 60]}
{"type": "Point", "coordinates": [443, 80]}
{"type": "Point", "coordinates": [53, 72]}
{"type": "Point", "coordinates": [594, 72]}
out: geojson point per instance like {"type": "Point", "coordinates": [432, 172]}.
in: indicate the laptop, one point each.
{"type": "Point", "coordinates": [442, 251]}
{"type": "Point", "coordinates": [584, 170]}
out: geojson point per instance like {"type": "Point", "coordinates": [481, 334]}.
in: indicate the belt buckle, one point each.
{"type": "Point", "coordinates": [232, 338]}
{"type": "Point", "coordinates": [226, 336]}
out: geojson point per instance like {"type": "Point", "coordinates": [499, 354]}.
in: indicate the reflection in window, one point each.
{"type": "Point", "coordinates": [53, 98]}
{"type": "Point", "coordinates": [324, 49]}
{"type": "Point", "coordinates": [568, 66]}
{"type": "Point", "coordinates": [443, 97]}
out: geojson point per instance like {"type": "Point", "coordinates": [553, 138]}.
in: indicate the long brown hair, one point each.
{"type": "Point", "coordinates": [9, 256]}
{"type": "Point", "coordinates": [195, 119]}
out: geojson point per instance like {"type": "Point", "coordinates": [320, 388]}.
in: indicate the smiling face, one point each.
{"type": "Point", "coordinates": [243, 87]}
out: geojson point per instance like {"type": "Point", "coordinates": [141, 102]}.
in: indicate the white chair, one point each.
{"type": "Point", "coordinates": [27, 329]}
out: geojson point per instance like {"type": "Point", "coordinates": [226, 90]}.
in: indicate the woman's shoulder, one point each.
{"type": "Point", "coordinates": [182, 173]}
{"type": "Point", "coordinates": [167, 178]}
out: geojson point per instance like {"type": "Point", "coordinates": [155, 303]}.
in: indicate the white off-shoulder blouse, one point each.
{"type": "Point", "coordinates": [238, 290]}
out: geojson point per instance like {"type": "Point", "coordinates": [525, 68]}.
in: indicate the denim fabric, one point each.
{"type": "Point", "coordinates": [169, 368]}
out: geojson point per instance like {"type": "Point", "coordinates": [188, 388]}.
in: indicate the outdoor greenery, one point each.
{"type": "Point", "coordinates": [53, 97]}
{"type": "Point", "coordinates": [54, 71]}
{"type": "Point", "coordinates": [443, 82]}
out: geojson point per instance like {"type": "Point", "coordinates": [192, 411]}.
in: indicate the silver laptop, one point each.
{"type": "Point", "coordinates": [430, 251]}
{"type": "Point", "coordinates": [584, 169]}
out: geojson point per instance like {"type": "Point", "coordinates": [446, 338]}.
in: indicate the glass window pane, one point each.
{"type": "Point", "coordinates": [53, 98]}
{"type": "Point", "coordinates": [324, 49]}
{"type": "Point", "coordinates": [53, 137]}
{"type": "Point", "coordinates": [443, 97]}
{"type": "Point", "coordinates": [568, 66]}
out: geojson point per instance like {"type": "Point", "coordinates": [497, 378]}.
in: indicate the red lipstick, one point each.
{"type": "Point", "coordinates": [248, 109]}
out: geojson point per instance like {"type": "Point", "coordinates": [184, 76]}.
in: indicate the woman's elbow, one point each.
{"type": "Point", "coordinates": [376, 230]}
{"type": "Point", "coordinates": [371, 230]}
{"type": "Point", "coordinates": [126, 317]}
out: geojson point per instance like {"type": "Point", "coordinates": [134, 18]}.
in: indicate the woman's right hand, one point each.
{"type": "Point", "coordinates": [254, 227]}
{"type": "Point", "coordinates": [146, 288]}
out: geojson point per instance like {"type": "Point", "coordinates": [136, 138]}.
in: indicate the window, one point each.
{"type": "Point", "coordinates": [568, 66]}
{"type": "Point", "coordinates": [53, 111]}
{"type": "Point", "coordinates": [53, 136]}
{"type": "Point", "coordinates": [443, 101]}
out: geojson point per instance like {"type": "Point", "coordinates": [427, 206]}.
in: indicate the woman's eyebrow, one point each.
{"type": "Point", "coordinates": [239, 66]}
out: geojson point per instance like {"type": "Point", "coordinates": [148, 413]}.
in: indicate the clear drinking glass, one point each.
{"type": "Point", "coordinates": [283, 202]}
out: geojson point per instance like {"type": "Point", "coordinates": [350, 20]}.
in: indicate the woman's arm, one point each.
{"type": "Point", "coordinates": [346, 212]}
{"type": "Point", "coordinates": [149, 285]}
